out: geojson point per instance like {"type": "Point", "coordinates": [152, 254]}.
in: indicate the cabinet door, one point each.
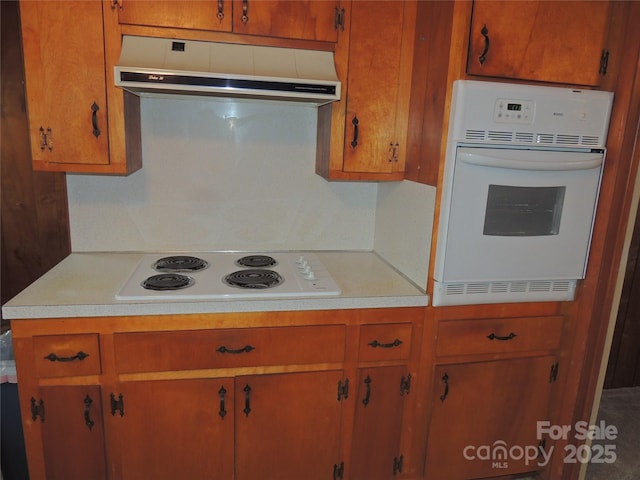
{"type": "Point", "coordinates": [168, 429]}
{"type": "Point", "coordinates": [539, 40]}
{"type": "Point", "coordinates": [288, 426]}
{"type": "Point", "coordinates": [301, 19]}
{"type": "Point", "coordinates": [213, 15]}
{"type": "Point", "coordinates": [480, 411]}
{"type": "Point", "coordinates": [371, 139]}
{"type": "Point", "coordinates": [65, 82]}
{"type": "Point", "coordinates": [72, 431]}
{"type": "Point", "coordinates": [379, 408]}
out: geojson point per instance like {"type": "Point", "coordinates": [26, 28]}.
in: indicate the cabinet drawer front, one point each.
{"type": "Point", "coordinates": [385, 342]}
{"type": "Point", "coordinates": [67, 355]}
{"type": "Point", "coordinates": [192, 350]}
{"type": "Point", "coordinates": [500, 335]}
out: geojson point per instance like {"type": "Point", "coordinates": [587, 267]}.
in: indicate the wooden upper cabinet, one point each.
{"type": "Point", "coordinates": [377, 71]}
{"type": "Point", "coordinates": [65, 78]}
{"type": "Point", "coordinates": [303, 20]}
{"type": "Point", "coordinates": [558, 42]}
{"type": "Point", "coordinates": [300, 20]}
{"type": "Point", "coordinates": [215, 15]}
{"type": "Point", "coordinates": [76, 119]}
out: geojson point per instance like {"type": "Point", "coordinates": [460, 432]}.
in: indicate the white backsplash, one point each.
{"type": "Point", "coordinates": [404, 223]}
{"type": "Point", "coordinates": [231, 175]}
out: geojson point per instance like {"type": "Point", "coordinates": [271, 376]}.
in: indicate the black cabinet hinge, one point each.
{"type": "Point", "coordinates": [338, 22]}
{"type": "Point", "coordinates": [338, 471]}
{"type": "Point", "coordinates": [343, 389]}
{"type": "Point", "coordinates": [405, 385]}
{"type": "Point", "coordinates": [542, 445]}
{"type": "Point", "coordinates": [117, 405]}
{"type": "Point", "coordinates": [397, 464]}
{"type": "Point", "coordinates": [553, 374]}
{"type": "Point", "coordinates": [604, 62]}
{"type": "Point", "coordinates": [37, 409]}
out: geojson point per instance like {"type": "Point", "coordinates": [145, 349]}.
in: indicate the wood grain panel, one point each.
{"type": "Point", "coordinates": [35, 224]}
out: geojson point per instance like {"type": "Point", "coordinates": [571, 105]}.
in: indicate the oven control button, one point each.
{"type": "Point", "coordinates": [309, 275]}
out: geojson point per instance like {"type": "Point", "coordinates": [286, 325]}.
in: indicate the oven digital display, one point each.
{"type": "Point", "coordinates": [514, 107]}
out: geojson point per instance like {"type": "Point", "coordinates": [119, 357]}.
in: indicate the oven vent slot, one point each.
{"type": "Point", "coordinates": [591, 140]}
{"type": "Point", "coordinates": [545, 138]}
{"type": "Point", "coordinates": [477, 135]}
{"type": "Point", "coordinates": [503, 291]}
{"type": "Point", "coordinates": [524, 137]}
{"type": "Point", "coordinates": [568, 140]}
{"type": "Point", "coordinates": [500, 136]}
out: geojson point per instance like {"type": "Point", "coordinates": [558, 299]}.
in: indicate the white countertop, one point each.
{"type": "Point", "coordinates": [85, 284]}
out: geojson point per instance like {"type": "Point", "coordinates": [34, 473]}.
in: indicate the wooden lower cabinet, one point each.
{"type": "Point", "coordinates": [381, 395]}
{"type": "Point", "coordinates": [288, 425]}
{"type": "Point", "coordinates": [294, 395]}
{"type": "Point", "coordinates": [169, 429]}
{"type": "Point", "coordinates": [70, 422]}
{"type": "Point", "coordinates": [484, 417]}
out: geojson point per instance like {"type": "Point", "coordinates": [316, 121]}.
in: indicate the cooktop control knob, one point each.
{"type": "Point", "coordinates": [305, 269]}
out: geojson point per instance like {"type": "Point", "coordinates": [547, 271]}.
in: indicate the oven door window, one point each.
{"type": "Point", "coordinates": [514, 211]}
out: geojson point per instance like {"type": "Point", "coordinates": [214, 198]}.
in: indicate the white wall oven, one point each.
{"type": "Point", "coordinates": [519, 195]}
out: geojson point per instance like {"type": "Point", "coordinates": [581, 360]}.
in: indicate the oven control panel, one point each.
{"type": "Point", "coordinates": [513, 111]}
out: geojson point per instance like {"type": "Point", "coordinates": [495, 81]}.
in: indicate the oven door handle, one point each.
{"type": "Point", "coordinates": [525, 160]}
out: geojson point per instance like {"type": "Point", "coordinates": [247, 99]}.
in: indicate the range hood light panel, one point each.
{"type": "Point", "coordinates": [157, 65]}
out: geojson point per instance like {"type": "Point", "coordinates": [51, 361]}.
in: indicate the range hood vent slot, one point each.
{"type": "Point", "coordinates": [162, 65]}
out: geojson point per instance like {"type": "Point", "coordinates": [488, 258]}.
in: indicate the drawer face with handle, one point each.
{"type": "Point", "coordinates": [66, 355]}
{"type": "Point", "coordinates": [385, 342]}
{"type": "Point", "coordinates": [228, 348]}
{"type": "Point", "coordinates": [503, 335]}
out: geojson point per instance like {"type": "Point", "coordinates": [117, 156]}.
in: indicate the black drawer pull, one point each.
{"type": "Point", "coordinates": [52, 357]}
{"type": "Point", "coordinates": [377, 344]}
{"type": "Point", "coordinates": [245, 349]}
{"type": "Point", "coordinates": [493, 336]}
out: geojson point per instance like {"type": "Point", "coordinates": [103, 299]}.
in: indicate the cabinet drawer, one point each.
{"type": "Point", "coordinates": [385, 342]}
{"type": "Point", "coordinates": [500, 335]}
{"type": "Point", "coordinates": [67, 355]}
{"type": "Point", "coordinates": [199, 349]}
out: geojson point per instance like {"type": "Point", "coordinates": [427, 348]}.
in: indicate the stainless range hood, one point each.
{"type": "Point", "coordinates": [162, 65]}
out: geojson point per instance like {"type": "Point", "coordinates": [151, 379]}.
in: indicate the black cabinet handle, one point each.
{"type": "Point", "coordinates": [445, 381]}
{"type": "Point", "coordinates": [247, 400]}
{"type": "Point", "coordinates": [367, 396]}
{"type": "Point", "coordinates": [52, 357]}
{"type": "Point", "coordinates": [222, 394]}
{"type": "Point", "coordinates": [94, 119]}
{"type": "Point", "coordinates": [483, 56]}
{"type": "Point", "coordinates": [377, 344]}
{"type": "Point", "coordinates": [87, 412]}
{"type": "Point", "coordinates": [245, 349]}
{"type": "Point", "coordinates": [355, 122]}
{"type": "Point", "coordinates": [493, 336]}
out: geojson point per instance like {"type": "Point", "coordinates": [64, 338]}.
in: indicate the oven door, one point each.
{"type": "Point", "coordinates": [518, 215]}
